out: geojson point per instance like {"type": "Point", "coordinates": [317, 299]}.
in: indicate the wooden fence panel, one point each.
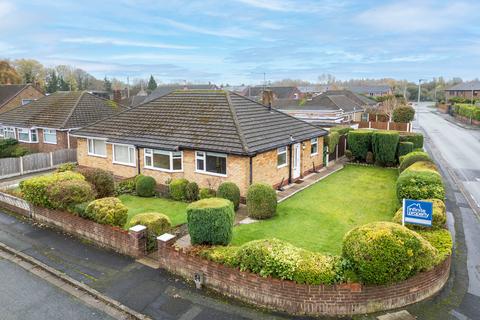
{"type": "Point", "coordinates": [36, 162]}
{"type": "Point", "coordinates": [63, 156]}
{"type": "Point", "coordinates": [9, 167]}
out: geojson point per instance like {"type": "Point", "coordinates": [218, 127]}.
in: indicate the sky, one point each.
{"type": "Point", "coordinates": [237, 41]}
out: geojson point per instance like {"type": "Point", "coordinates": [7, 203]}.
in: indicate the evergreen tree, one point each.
{"type": "Point", "coordinates": [63, 85]}
{"type": "Point", "coordinates": [52, 82]}
{"type": "Point", "coordinates": [107, 84]}
{"type": "Point", "coordinates": [152, 84]}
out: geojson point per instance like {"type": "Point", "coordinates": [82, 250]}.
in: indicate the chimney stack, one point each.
{"type": "Point", "coordinates": [267, 98]}
{"type": "Point", "coordinates": [117, 96]}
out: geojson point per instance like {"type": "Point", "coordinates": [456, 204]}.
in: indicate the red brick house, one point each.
{"type": "Point", "coordinates": [204, 136]}
{"type": "Point", "coordinates": [466, 90]}
{"type": "Point", "coordinates": [44, 125]}
{"type": "Point", "coordinates": [14, 95]}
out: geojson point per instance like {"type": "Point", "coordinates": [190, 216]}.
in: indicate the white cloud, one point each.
{"type": "Point", "coordinates": [223, 32]}
{"type": "Point", "coordinates": [6, 8]}
{"type": "Point", "coordinates": [411, 16]}
{"type": "Point", "coordinates": [121, 42]}
{"type": "Point", "coordinates": [294, 6]}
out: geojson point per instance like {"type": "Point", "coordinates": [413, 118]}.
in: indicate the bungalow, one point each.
{"type": "Point", "coordinates": [44, 125]}
{"type": "Point", "coordinates": [204, 136]}
{"type": "Point", "coordinates": [14, 95]}
{"type": "Point", "coordinates": [372, 91]}
{"type": "Point", "coordinates": [466, 90]}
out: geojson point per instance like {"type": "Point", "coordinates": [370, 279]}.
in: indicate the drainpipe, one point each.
{"type": "Point", "coordinates": [290, 165]}
{"type": "Point", "coordinates": [251, 170]}
{"type": "Point", "coordinates": [68, 139]}
{"type": "Point", "coordinates": [138, 159]}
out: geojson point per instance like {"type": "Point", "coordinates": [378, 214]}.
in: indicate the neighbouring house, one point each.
{"type": "Point", "coordinates": [329, 108]}
{"type": "Point", "coordinates": [14, 95]}
{"type": "Point", "coordinates": [204, 136]}
{"type": "Point", "coordinates": [135, 100]}
{"type": "Point", "coordinates": [166, 89]}
{"type": "Point", "coordinates": [313, 90]}
{"type": "Point", "coordinates": [44, 125]}
{"type": "Point", "coordinates": [372, 91]}
{"type": "Point", "coordinates": [281, 92]}
{"type": "Point", "coordinates": [466, 90]}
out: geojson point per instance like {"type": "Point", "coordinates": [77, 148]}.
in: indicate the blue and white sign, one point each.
{"type": "Point", "coordinates": [417, 212]}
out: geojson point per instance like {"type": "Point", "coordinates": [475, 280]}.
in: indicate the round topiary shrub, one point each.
{"type": "Point", "coordinates": [102, 181]}
{"type": "Point", "coordinates": [404, 148]}
{"type": "Point", "coordinates": [68, 193]}
{"type": "Point", "coordinates": [420, 185]}
{"type": "Point", "coordinates": [191, 191]}
{"type": "Point", "coordinates": [359, 143]}
{"type": "Point", "coordinates": [34, 190]}
{"type": "Point", "coordinates": [384, 145]}
{"type": "Point", "coordinates": [403, 114]}
{"type": "Point", "coordinates": [206, 193]}
{"type": "Point", "coordinates": [385, 252]}
{"type": "Point", "coordinates": [178, 189]}
{"type": "Point", "coordinates": [107, 211]}
{"type": "Point", "coordinates": [229, 191]}
{"type": "Point", "coordinates": [145, 186]}
{"type": "Point", "coordinates": [439, 216]}
{"type": "Point", "coordinates": [210, 221]}
{"type": "Point", "coordinates": [411, 158]}
{"type": "Point", "coordinates": [156, 223]}
{"type": "Point", "coordinates": [422, 166]}
{"type": "Point", "coordinates": [261, 201]}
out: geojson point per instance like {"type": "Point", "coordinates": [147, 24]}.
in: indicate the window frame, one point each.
{"type": "Point", "coordinates": [30, 132]}
{"type": "Point", "coordinates": [164, 152]}
{"type": "Point", "coordinates": [29, 101]}
{"type": "Point", "coordinates": [49, 133]}
{"type": "Point", "coordinates": [285, 151]}
{"type": "Point", "coordinates": [129, 147]}
{"type": "Point", "coordinates": [90, 153]}
{"type": "Point", "coordinates": [202, 155]}
{"type": "Point", "coordinates": [311, 146]}
{"type": "Point", "coordinates": [10, 130]}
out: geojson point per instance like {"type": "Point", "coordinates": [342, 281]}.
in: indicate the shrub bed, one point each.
{"type": "Point", "coordinates": [385, 252]}
{"type": "Point", "coordinates": [229, 191]}
{"type": "Point", "coordinates": [145, 186]}
{"type": "Point", "coordinates": [34, 190]}
{"type": "Point", "coordinates": [440, 239]}
{"type": "Point", "coordinates": [102, 181]}
{"type": "Point", "coordinates": [415, 138]}
{"type": "Point", "coordinates": [178, 189]}
{"type": "Point", "coordinates": [156, 223]}
{"type": "Point", "coordinates": [420, 185]}
{"type": "Point", "coordinates": [384, 145]}
{"type": "Point", "coordinates": [422, 166]}
{"type": "Point", "coordinates": [68, 166]}
{"type": "Point", "coordinates": [107, 211]}
{"type": "Point", "coordinates": [206, 193]}
{"type": "Point", "coordinates": [359, 143]}
{"type": "Point", "coordinates": [439, 216]}
{"type": "Point", "coordinates": [68, 193]}
{"type": "Point", "coordinates": [192, 191]}
{"type": "Point", "coordinates": [210, 221]}
{"type": "Point", "coordinates": [261, 201]}
{"type": "Point", "coordinates": [126, 186]}
{"type": "Point", "coordinates": [411, 158]}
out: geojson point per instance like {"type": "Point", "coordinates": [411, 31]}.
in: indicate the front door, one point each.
{"type": "Point", "coordinates": [296, 161]}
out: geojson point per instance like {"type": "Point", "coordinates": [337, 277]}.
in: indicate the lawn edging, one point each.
{"type": "Point", "coordinates": [288, 296]}
{"type": "Point", "coordinates": [130, 242]}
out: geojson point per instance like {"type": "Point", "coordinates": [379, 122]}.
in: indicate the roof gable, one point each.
{"type": "Point", "coordinates": [465, 86]}
{"type": "Point", "coordinates": [8, 91]}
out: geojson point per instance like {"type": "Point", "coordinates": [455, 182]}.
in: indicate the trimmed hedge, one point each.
{"type": "Point", "coordinates": [420, 185]}
{"type": "Point", "coordinates": [206, 193]}
{"type": "Point", "coordinates": [156, 223]}
{"type": "Point", "coordinates": [384, 145]}
{"type": "Point", "coordinates": [229, 191]}
{"type": "Point", "coordinates": [342, 130]}
{"type": "Point", "coordinates": [385, 252]}
{"type": "Point", "coordinates": [261, 201]}
{"type": "Point", "coordinates": [404, 114]}
{"type": "Point", "coordinates": [191, 191]}
{"type": "Point", "coordinates": [422, 166]}
{"type": "Point", "coordinates": [145, 186]}
{"type": "Point", "coordinates": [440, 239]}
{"type": "Point", "coordinates": [359, 143]}
{"type": "Point", "coordinates": [413, 137]}
{"type": "Point", "coordinates": [467, 110]}
{"type": "Point", "coordinates": [102, 181]}
{"type": "Point", "coordinates": [404, 148]}
{"type": "Point", "coordinates": [178, 189]}
{"type": "Point", "coordinates": [439, 216]}
{"type": "Point", "coordinates": [210, 221]}
{"type": "Point", "coordinates": [68, 193]}
{"type": "Point", "coordinates": [107, 211]}
{"type": "Point", "coordinates": [411, 158]}
{"type": "Point", "coordinates": [34, 190]}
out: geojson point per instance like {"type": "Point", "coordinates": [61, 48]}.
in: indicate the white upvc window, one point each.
{"type": "Point", "coordinates": [211, 163]}
{"type": "Point", "coordinates": [282, 157]}
{"type": "Point", "coordinates": [124, 154]}
{"type": "Point", "coordinates": [2, 132]}
{"type": "Point", "coordinates": [97, 147]}
{"type": "Point", "coordinates": [170, 161]}
{"type": "Point", "coordinates": [50, 136]}
{"type": "Point", "coordinates": [314, 147]}
{"type": "Point", "coordinates": [27, 135]}
{"type": "Point", "coordinates": [9, 133]}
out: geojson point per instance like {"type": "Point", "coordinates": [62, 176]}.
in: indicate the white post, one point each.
{"type": "Point", "coordinates": [21, 165]}
{"type": "Point", "coordinates": [51, 159]}
{"type": "Point", "coordinates": [403, 212]}
{"type": "Point", "coordinates": [369, 124]}
{"type": "Point", "coordinates": [388, 125]}
{"type": "Point", "coordinates": [328, 155]}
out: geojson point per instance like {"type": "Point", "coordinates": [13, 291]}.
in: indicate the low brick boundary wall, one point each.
{"type": "Point", "coordinates": [132, 242]}
{"type": "Point", "coordinates": [467, 120]}
{"type": "Point", "coordinates": [288, 296]}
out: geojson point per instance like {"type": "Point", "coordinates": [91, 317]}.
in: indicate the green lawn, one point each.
{"type": "Point", "coordinates": [318, 217]}
{"type": "Point", "coordinates": [175, 210]}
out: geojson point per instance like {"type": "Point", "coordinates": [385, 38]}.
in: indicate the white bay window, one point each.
{"type": "Point", "coordinates": [164, 160]}
{"type": "Point", "coordinates": [211, 163]}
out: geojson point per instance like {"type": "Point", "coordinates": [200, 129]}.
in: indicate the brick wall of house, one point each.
{"type": "Point", "coordinates": [463, 93]}
{"type": "Point", "coordinates": [308, 161]}
{"type": "Point", "coordinates": [28, 93]}
{"type": "Point", "coordinates": [40, 146]}
{"type": "Point", "coordinates": [288, 296]}
{"type": "Point", "coordinates": [265, 169]}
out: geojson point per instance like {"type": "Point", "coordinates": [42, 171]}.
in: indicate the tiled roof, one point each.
{"type": "Point", "coordinates": [370, 89]}
{"type": "Point", "coordinates": [280, 92]}
{"type": "Point", "coordinates": [8, 91]}
{"type": "Point", "coordinates": [465, 86]}
{"type": "Point", "coordinates": [166, 89]}
{"type": "Point", "coordinates": [203, 120]}
{"type": "Point", "coordinates": [61, 110]}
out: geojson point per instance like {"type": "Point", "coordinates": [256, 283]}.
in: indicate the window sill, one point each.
{"type": "Point", "coordinates": [314, 154]}
{"type": "Point", "coordinates": [282, 166]}
{"type": "Point", "coordinates": [49, 142]}
{"type": "Point", "coordinates": [97, 155]}
{"type": "Point", "coordinates": [23, 141]}
{"type": "Point", "coordinates": [125, 164]}
{"type": "Point", "coordinates": [211, 173]}
{"type": "Point", "coordinates": [162, 170]}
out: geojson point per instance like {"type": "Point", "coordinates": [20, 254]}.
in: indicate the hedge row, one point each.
{"type": "Point", "coordinates": [384, 145]}
{"type": "Point", "coordinates": [467, 110]}
{"type": "Point", "coordinates": [413, 137]}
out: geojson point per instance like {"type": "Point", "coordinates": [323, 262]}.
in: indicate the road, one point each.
{"type": "Point", "coordinates": [26, 296]}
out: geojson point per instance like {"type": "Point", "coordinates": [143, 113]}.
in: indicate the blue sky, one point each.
{"type": "Point", "coordinates": [235, 41]}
